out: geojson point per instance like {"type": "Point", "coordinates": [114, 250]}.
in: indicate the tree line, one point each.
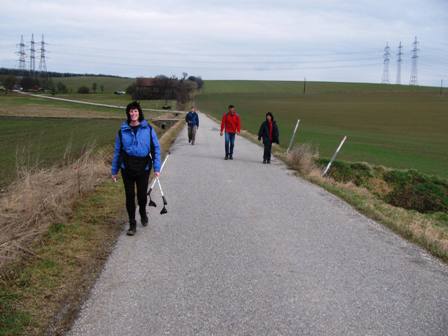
{"type": "Point", "coordinates": [26, 73]}
{"type": "Point", "coordinates": [166, 88]}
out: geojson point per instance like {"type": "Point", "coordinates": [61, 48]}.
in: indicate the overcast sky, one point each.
{"type": "Point", "coordinates": [331, 40]}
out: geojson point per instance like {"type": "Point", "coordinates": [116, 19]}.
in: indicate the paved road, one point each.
{"type": "Point", "coordinates": [250, 249]}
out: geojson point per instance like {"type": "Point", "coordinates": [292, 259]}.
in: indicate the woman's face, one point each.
{"type": "Point", "coordinates": [134, 114]}
{"type": "Point", "coordinates": [268, 117]}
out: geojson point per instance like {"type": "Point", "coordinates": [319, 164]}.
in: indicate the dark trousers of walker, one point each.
{"type": "Point", "coordinates": [192, 133]}
{"type": "Point", "coordinates": [130, 183]}
{"type": "Point", "coordinates": [267, 151]}
{"type": "Point", "coordinates": [229, 141]}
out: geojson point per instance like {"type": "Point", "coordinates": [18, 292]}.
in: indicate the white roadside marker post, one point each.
{"type": "Point", "coordinates": [334, 156]}
{"type": "Point", "coordinates": [293, 136]}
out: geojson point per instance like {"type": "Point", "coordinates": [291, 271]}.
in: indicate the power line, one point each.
{"type": "Point", "coordinates": [182, 53]}
{"type": "Point", "coordinates": [22, 54]}
{"type": "Point", "coordinates": [32, 56]}
{"type": "Point", "coordinates": [42, 61]}
{"type": "Point", "coordinates": [144, 57]}
{"type": "Point", "coordinates": [386, 61]}
{"type": "Point", "coordinates": [399, 61]}
{"type": "Point", "coordinates": [211, 67]}
{"type": "Point", "coordinates": [414, 57]}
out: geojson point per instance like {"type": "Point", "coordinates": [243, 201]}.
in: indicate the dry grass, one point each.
{"type": "Point", "coordinates": [417, 227]}
{"type": "Point", "coordinates": [40, 197]}
{"type": "Point", "coordinates": [61, 255]}
{"type": "Point", "coordinates": [303, 157]}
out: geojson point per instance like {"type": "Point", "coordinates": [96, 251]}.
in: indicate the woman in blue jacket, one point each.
{"type": "Point", "coordinates": [137, 150]}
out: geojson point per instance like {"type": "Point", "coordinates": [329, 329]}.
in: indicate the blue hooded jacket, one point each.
{"type": "Point", "coordinates": [192, 119]}
{"type": "Point", "coordinates": [136, 145]}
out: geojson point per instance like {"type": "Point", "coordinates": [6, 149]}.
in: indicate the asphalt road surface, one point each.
{"type": "Point", "coordinates": [250, 249]}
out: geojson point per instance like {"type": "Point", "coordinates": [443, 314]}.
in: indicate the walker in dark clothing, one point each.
{"type": "Point", "coordinates": [192, 119]}
{"type": "Point", "coordinates": [269, 133]}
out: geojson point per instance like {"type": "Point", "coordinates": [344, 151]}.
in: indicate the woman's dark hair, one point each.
{"type": "Point", "coordinates": [270, 114]}
{"type": "Point", "coordinates": [131, 106]}
{"type": "Point", "coordinates": [231, 106]}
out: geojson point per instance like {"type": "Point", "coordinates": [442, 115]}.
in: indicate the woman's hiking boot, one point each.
{"type": "Point", "coordinates": [144, 220]}
{"type": "Point", "coordinates": [132, 228]}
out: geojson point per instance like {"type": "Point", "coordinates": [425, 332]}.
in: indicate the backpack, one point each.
{"type": "Point", "coordinates": [134, 165]}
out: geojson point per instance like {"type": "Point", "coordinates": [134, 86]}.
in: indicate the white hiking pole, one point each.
{"type": "Point", "coordinates": [151, 202]}
{"type": "Point", "coordinates": [293, 136]}
{"type": "Point", "coordinates": [165, 203]}
{"type": "Point", "coordinates": [334, 156]}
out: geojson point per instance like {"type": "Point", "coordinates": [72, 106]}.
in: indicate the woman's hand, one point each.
{"type": "Point", "coordinates": [114, 178]}
{"type": "Point", "coordinates": [157, 174]}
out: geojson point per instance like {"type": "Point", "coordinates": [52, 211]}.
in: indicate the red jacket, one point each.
{"type": "Point", "coordinates": [231, 123]}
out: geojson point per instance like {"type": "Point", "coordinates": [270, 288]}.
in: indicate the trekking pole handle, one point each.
{"type": "Point", "coordinates": [160, 186]}
{"type": "Point", "coordinates": [161, 169]}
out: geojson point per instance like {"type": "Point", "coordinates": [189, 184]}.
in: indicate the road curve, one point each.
{"type": "Point", "coordinates": [250, 249]}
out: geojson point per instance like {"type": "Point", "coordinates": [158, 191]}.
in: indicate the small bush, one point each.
{"type": "Point", "coordinates": [357, 172]}
{"type": "Point", "coordinates": [130, 90]}
{"type": "Point", "coordinates": [83, 89]}
{"type": "Point", "coordinates": [303, 158]}
{"type": "Point", "coordinates": [414, 190]}
{"type": "Point", "coordinates": [61, 88]}
{"type": "Point", "coordinates": [407, 189]}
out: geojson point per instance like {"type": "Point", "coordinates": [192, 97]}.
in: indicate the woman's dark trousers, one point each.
{"type": "Point", "coordinates": [130, 181]}
{"type": "Point", "coordinates": [267, 151]}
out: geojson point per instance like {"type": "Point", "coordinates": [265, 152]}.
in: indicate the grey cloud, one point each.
{"type": "Point", "coordinates": [326, 40]}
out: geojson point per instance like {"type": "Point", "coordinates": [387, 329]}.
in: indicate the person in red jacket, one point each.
{"type": "Point", "coordinates": [231, 125]}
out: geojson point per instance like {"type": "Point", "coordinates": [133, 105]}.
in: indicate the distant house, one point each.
{"type": "Point", "coordinates": [154, 88]}
{"type": "Point", "coordinates": [146, 82]}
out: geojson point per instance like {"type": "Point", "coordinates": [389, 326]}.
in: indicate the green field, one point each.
{"type": "Point", "coordinates": [17, 104]}
{"type": "Point", "coordinates": [43, 141]}
{"type": "Point", "coordinates": [391, 125]}
{"type": "Point", "coordinates": [111, 84]}
{"type": "Point", "coordinates": [36, 131]}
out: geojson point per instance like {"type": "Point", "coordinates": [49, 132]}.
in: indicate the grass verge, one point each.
{"type": "Point", "coordinates": [369, 191]}
{"type": "Point", "coordinates": [42, 293]}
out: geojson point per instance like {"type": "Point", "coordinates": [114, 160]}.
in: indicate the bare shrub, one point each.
{"type": "Point", "coordinates": [303, 158]}
{"type": "Point", "coordinates": [41, 197]}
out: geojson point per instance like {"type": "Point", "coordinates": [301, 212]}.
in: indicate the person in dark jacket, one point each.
{"type": "Point", "coordinates": [192, 120]}
{"type": "Point", "coordinates": [269, 133]}
{"type": "Point", "coordinates": [137, 150]}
